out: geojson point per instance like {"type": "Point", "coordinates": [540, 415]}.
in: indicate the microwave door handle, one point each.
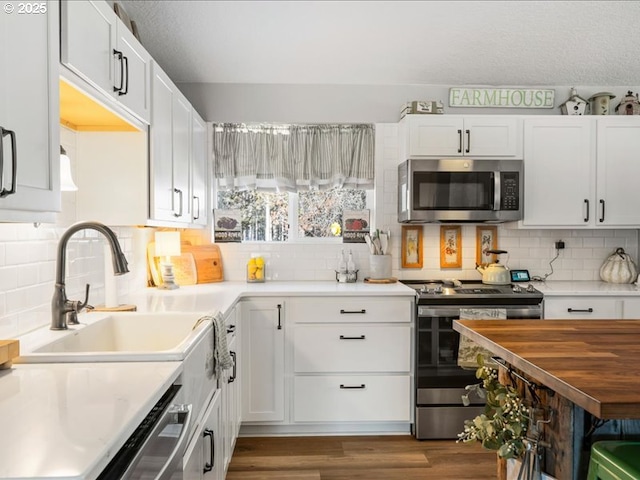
{"type": "Point", "coordinates": [497, 189]}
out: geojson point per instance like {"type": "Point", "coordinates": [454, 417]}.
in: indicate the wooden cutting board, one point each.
{"type": "Point", "coordinates": [184, 266]}
{"type": "Point", "coordinates": [208, 261]}
{"type": "Point", "coordinates": [380, 280]}
{"type": "Point", "coordinates": [9, 349]}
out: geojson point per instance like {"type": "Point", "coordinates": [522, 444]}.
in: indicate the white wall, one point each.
{"type": "Point", "coordinates": [530, 249]}
{"type": "Point", "coordinates": [248, 103]}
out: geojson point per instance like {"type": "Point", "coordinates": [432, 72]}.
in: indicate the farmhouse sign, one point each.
{"type": "Point", "coordinates": [501, 97]}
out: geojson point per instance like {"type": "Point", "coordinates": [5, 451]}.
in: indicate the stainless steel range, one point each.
{"type": "Point", "coordinates": [439, 381]}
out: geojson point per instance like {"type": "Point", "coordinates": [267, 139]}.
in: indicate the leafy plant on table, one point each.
{"type": "Point", "coordinates": [503, 425]}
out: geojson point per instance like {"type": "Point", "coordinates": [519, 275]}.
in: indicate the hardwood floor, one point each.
{"type": "Point", "coordinates": [359, 458]}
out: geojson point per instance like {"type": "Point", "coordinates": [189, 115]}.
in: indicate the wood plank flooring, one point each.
{"type": "Point", "coordinates": [394, 457]}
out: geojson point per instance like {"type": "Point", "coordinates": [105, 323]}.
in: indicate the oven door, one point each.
{"type": "Point", "coordinates": [439, 379]}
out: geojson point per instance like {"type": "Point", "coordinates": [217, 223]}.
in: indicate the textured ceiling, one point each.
{"type": "Point", "coordinates": [393, 42]}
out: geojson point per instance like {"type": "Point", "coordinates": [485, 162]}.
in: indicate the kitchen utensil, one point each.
{"type": "Point", "coordinates": [384, 243]}
{"type": "Point", "coordinates": [208, 259]}
{"type": "Point", "coordinates": [495, 273]}
{"type": "Point", "coordinates": [367, 238]}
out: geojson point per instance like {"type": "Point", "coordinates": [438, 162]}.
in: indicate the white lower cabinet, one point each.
{"type": "Point", "coordinates": [230, 404]}
{"type": "Point", "coordinates": [263, 350]}
{"type": "Point", "coordinates": [578, 307]}
{"type": "Point", "coordinates": [204, 458]}
{"type": "Point", "coordinates": [351, 398]}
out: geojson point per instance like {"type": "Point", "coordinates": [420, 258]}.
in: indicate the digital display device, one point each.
{"type": "Point", "coordinates": [520, 276]}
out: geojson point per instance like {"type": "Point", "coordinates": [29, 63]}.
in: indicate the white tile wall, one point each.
{"type": "Point", "coordinates": [28, 253]}
{"type": "Point", "coordinates": [531, 249]}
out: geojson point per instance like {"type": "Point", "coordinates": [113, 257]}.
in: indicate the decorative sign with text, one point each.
{"type": "Point", "coordinates": [227, 225]}
{"type": "Point", "coordinates": [501, 97]}
{"type": "Point", "coordinates": [356, 226]}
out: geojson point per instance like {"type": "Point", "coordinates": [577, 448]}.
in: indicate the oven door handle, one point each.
{"type": "Point", "coordinates": [513, 311]}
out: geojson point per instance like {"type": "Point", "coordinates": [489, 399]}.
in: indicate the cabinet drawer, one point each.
{"type": "Point", "coordinates": [582, 307]}
{"type": "Point", "coordinates": [350, 309]}
{"type": "Point", "coordinates": [352, 348]}
{"type": "Point", "coordinates": [351, 398]}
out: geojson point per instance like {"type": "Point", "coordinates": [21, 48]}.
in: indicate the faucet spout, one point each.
{"type": "Point", "coordinates": [60, 305]}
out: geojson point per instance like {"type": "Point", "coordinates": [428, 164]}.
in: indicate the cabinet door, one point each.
{"type": "Point", "coordinates": [161, 131]}
{"type": "Point", "coordinates": [262, 376]}
{"type": "Point", "coordinates": [618, 169]}
{"type": "Point", "coordinates": [631, 308]}
{"type": "Point", "coordinates": [562, 308]}
{"type": "Point", "coordinates": [559, 175]}
{"type": "Point", "coordinates": [199, 169]}
{"type": "Point", "coordinates": [492, 136]}
{"type": "Point", "coordinates": [181, 124]}
{"type": "Point", "coordinates": [135, 94]}
{"type": "Point", "coordinates": [88, 33]}
{"type": "Point", "coordinates": [434, 136]}
{"type": "Point", "coordinates": [212, 445]}
{"type": "Point", "coordinates": [229, 405]}
{"type": "Point", "coordinates": [29, 115]}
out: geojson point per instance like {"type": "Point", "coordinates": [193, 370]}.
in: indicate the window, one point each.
{"type": "Point", "coordinates": [282, 217]}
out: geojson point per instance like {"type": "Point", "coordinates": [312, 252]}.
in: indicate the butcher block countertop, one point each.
{"type": "Point", "coordinates": [593, 363]}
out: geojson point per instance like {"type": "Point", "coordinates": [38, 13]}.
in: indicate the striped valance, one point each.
{"type": "Point", "coordinates": [293, 157]}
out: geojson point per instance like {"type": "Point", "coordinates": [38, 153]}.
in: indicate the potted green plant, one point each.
{"type": "Point", "coordinates": [503, 424]}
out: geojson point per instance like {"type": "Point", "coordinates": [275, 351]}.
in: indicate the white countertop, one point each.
{"type": "Point", "coordinates": [65, 421]}
{"type": "Point", "coordinates": [222, 296]}
{"type": "Point", "coordinates": [586, 288]}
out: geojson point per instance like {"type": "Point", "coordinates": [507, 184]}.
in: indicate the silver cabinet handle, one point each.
{"type": "Point", "coordinates": [343, 337]}
{"type": "Point", "coordinates": [348, 312]}
{"type": "Point", "coordinates": [14, 163]}
{"type": "Point", "coordinates": [580, 310]}
{"type": "Point", "coordinates": [196, 210]}
{"type": "Point", "coordinates": [179, 192]}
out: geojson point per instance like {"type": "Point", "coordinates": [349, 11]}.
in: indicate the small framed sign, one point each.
{"type": "Point", "coordinates": [486, 239]}
{"type": "Point", "coordinates": [227, 225]}
{"type": "Point", "coordinates": [355, 226]}
{"type": "Point", "coordinates": [412, 246]}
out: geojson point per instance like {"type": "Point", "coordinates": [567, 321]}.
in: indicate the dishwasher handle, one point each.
{"type": "Point", "coordinates": [183, 413]}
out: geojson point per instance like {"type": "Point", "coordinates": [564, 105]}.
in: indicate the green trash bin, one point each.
{"type": "Point", "coordinates": [614, 460]}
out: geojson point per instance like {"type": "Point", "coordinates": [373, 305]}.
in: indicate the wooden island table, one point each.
{"type": "Point", "coordinates": [592, 365]}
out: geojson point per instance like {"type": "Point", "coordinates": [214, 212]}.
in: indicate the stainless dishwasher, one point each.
{"type": "Point", "coordinates": [154, 450]}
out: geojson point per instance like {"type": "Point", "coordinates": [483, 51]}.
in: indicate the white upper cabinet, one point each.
{"type": "Point", "coordinates": [559, 187]}
{"type": "Point", "coordinates": [170, 142]}
{"type": "Point", "coordinates": [581, 172]}
{"type": "Point", "coordinates": [99, 48]}
{"type": "Point", "coordinates": [618, 171]}
{"type": "Point", "coordinates": [29, 118]}
{"type": "Point", "coordinates": [198, 169]}
{"type": "Point", "coordinates": [497, 136]}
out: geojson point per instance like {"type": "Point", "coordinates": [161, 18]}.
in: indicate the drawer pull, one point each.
{"type": "Point", "coordinates": [343, 337]}
{"type": "Point", "coordinates": [346, 312]}
{"type": "Point", "coordinates": [352, 387]}
{"type": "Point", "coordinates": [578, 310]}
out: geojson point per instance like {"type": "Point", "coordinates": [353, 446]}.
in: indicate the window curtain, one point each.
{"type": "Point", "coordinates": [293, 157]}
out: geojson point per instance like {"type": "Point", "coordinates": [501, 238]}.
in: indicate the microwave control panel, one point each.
{"type": "Point", "coordinates": [509, 191]}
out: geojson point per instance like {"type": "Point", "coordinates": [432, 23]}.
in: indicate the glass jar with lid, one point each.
{"type": "Point", "coordinates": [256, 269]}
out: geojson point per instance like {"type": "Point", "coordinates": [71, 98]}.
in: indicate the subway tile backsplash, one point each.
{"type": "Point", "coordinates": [28, 253]}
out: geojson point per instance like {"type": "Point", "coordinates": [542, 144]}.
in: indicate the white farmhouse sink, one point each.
{"type": "Point", "coordinates": [118, 337]}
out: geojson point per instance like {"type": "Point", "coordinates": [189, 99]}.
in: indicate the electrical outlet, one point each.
{"type": "Point", "coordinates": [559, 245]}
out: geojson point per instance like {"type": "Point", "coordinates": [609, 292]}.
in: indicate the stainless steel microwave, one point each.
{"type": "Point", "coordinates": [460, 190]}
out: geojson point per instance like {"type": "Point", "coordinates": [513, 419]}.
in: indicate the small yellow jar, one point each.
{"type": "Point", "coordinates": [255, 269]}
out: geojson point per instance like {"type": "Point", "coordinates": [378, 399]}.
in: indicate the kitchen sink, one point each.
{"type": "Point", "coordinates": [116, 337]}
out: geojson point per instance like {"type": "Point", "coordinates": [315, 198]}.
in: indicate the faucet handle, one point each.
{"type": "Point", "coordinates": [77, 306]}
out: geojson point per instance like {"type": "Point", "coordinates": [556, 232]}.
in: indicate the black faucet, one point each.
{"type": "Point", "coordinates": [60, 305]}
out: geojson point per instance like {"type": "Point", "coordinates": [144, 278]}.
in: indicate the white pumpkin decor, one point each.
{"type": "Point", "coordinates": [619, 267]}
